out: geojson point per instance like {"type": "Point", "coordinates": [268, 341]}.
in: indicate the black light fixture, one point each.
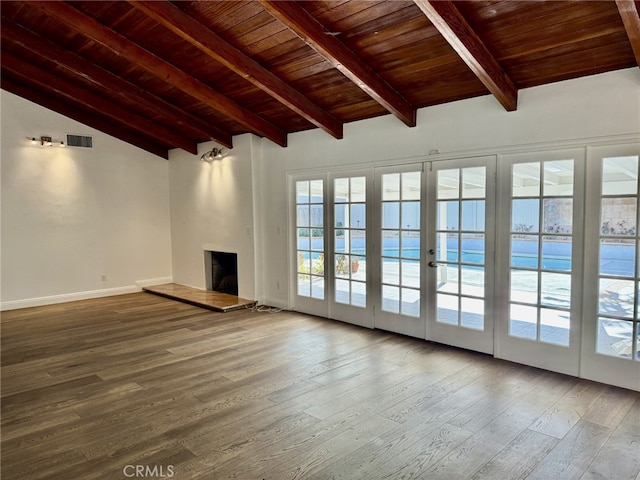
{"type": "Point", "coordinates": [211, 155]}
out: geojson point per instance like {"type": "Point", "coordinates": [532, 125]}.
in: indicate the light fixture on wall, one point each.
{"type": "Point", "coordinates": [46, 141]}
{"type": "Point", "coordinates": [211, 155]}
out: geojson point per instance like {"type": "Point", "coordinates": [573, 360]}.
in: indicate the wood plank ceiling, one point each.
{"type": "Point", "coordinates": [163, 75]}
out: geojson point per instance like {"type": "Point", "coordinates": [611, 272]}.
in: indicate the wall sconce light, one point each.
{"type": "Point", "coordinates": [47, 141]}
{"type": "Point", "coordinates": [212, 154]}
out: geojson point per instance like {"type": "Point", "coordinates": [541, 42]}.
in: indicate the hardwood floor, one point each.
{"type": "Point", "coordinates": [99, 388]}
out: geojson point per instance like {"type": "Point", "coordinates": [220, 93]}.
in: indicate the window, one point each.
{"type": "Point", "coordinates": [618, 288]}
{"type": "Point", "coordinates": [310, 238]}
{"type": "Point", "coordinates": [350, 241]}
{"type": "Point", "coordinates": [541, 251]}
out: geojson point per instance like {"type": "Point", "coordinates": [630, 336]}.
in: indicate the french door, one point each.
{"type": "Point", "coordinates": [331, 250]}
{"type": "Point", "coordinates": [610, 350]}
{"type": "Point", "coordinates": [435, 251]}
{"type": "Point", "coordinates": [309, 222]}
{"type": "Point", "coordinates": [541, 251]}
{"type": "Point", "coordinates": [399, 275]}
{"type": "Point", "coordinates": [460, 256]}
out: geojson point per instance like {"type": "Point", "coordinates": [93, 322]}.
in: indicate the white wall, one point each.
{"type": "Point", "coordinates": [70, 215]}
{"type": "Point", "coordinates": [212, 209]}
{"type": "Point", "coordinates": [575, 111]}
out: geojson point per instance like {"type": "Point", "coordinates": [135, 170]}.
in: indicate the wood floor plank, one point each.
{"type": "Point", "coordinates": [496, 393]}
{"type": "Point", "coordinates": [335, 449]}
{"type": "Point", "coordinates": [48, 467]}
{"type": "Point", "coordinates": [193, 427]}
{"type": "Point", "coordinates": [424, 399]}
{"type": "Point", "coordinates": [32, 423]}
{"type": "Point", "coordinates": [89, 387]}
{"type": "Point", "coordinates": [398, 453]}
{"type": "Point", "coordinates": [424, 454]}
{"type": "Point", "coordinates": [118, 436]}
{"type": "Point", "coordinates": [610, 407]}
{"type": "Point", "coordinates": [362, 390]}
{"type": "Point", "coordinates": [469, 456]}
{"type": "Point", "coordinates": [50, 394]}
{"type": "Point", "coordinates": [108, 399]}
{"type": "Point", "coordinates": [619, 458]}
{"type": "Point", "coordinates": [566, 412]}
{"type": "Point", "coordinates": [325, 450]}
{"type": "Point", "coordinates": [518, 458]}
{"type": "Point", "coordinates": [234, 436]}
{"type": "Point", "coordinates": [573, 454]}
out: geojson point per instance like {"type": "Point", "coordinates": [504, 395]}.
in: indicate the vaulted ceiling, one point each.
{"type": "Point", "coordinates": [163, 75]}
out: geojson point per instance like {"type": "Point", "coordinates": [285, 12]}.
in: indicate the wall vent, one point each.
{"type": "Point", "coordinates": [82, 141]}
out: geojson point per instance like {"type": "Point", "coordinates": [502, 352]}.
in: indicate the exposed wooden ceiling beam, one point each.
{"type": "Point", "coordinates": [137, 55]}
{"type": "Point", "coordinates": [631, 20]}
{"type": "Point", "coordinates": [44, 79]}
{"type": "Point", "coordinates": [207, 41]}
{"type": "Point", "coordinates": [353, 67]}
{"type": "Point", "coordinates": [444, 15]}
{"type": "Point", "coordinates": [77, 112]}
{"type": "Point", "coordinates": [12, 33]}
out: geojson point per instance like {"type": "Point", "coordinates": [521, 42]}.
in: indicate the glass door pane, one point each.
{"type": "Point", "coordinates": [400, 257]}
{"type": "Point", "coordinates": [460, 260]}
{"type": "Point", "coordinates": [350, 239]}
{"type": "Point", "coordinates": [617, 266]}
{"type": "Point", "coordinates": [541, 246]}
{"type": "Point", "coordinates": [309, 288]}
{"type": "Point", "coordinates": [310, 238]}
{"type": "Point", "coordinates": [460, 256]}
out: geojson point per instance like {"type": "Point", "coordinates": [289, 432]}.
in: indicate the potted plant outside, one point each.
{"type": "Point", "coordinates": [355, 264]}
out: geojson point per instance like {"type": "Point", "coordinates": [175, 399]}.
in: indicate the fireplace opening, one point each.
{"type": "Point", "coordinates": [224, 272]}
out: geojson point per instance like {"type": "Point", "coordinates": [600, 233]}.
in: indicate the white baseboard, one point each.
{"type": "Point", "coordinates": [67, 297]}
{"type": "Point", "coordinates": [153, 281]}
{"type": "Point", "coordinates": [72, 297]}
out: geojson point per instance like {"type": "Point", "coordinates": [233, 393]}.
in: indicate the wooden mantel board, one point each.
{"type": "Point", "coordinates": [219, 302]}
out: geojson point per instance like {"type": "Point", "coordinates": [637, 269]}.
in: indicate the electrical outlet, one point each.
{"type": "Point", "coordinates": [103, 277]}
{"type": "Point", "coordinates": [277, 285]}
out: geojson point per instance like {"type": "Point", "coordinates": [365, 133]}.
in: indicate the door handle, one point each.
{"type": "Point", "coordinates": [433, 264]}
